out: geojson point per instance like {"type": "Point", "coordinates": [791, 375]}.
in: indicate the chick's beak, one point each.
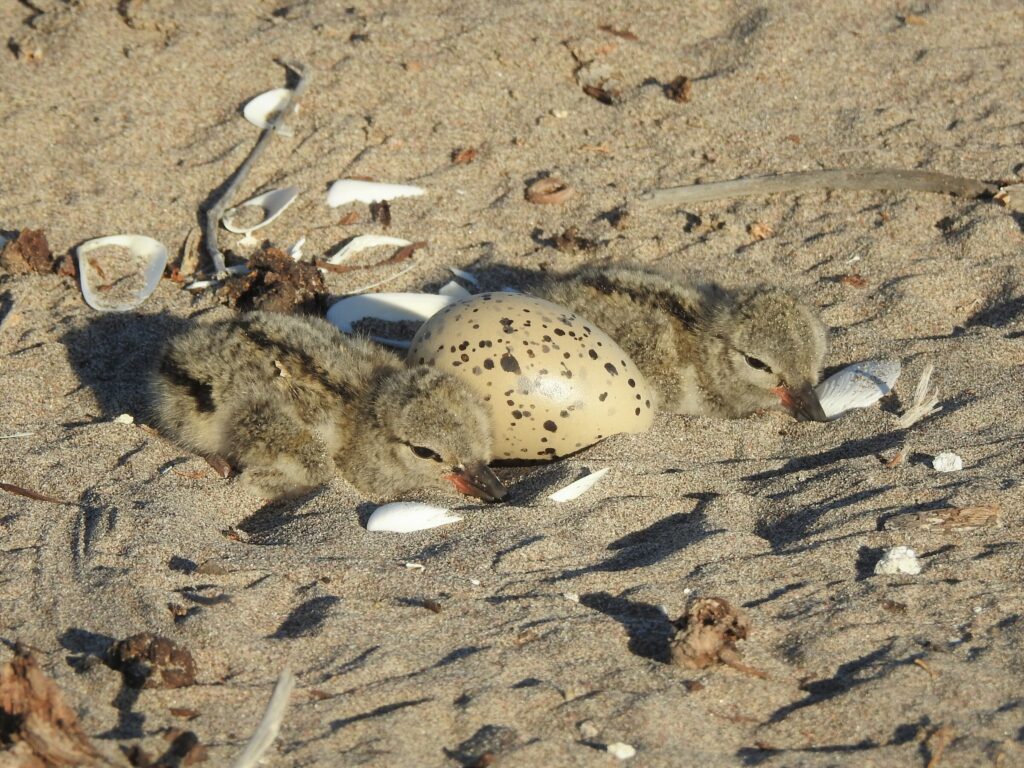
{"type": "Point", "coordinates": [801, 401]}
{"type": "Point", "coordinates": [478, 480]}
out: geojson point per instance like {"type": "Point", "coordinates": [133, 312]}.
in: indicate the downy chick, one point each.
{"type": "Point", "coordinates": [291, 400]}
{"type": "Point", "coordinates": [706, 351]}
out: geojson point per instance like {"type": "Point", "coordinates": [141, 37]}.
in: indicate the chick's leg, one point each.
{"type": "Point", "coordinates": [278, 456]}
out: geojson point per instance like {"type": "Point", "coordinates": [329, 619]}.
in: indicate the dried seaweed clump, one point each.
{"type": "Point", "coordinates": [27, 254]}
{"type": "Point", "coordinates": [707, 635]}
{"type": "Point", "coordinates": [37, 729]}
{"type": "Point", "coordinates": [276, 282]}
{"type": "Point", "coordinates": [150, 661]}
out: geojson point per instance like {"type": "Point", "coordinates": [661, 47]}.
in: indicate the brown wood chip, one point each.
{"type": "Point", "coordinates": [17, 490]}
{"type": "Point", "coordinates": [947, 519]}
{"type": "Point", "coordinates": [464, 156]}
{"type": "Point", "coordinates": [680, 89]}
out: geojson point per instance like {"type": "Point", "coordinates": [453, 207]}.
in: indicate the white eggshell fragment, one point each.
{"type": "Point", "coordinates": [554, 382]}
{"type": "Point", "coordinates": [898, 560]}
{"type": "Point", "coordinates": [273, 204]}
{"type": "Point", "coordinates": [462, 274]}
{"type": "Point", "coordinates": [947, 462]}
{"type": "Point", "coordinates": [261, 110]}
{"type": "Point", "coordinates": [389, 307]}
{"type": "Point", "coordinates": [362, 243]}
{"type": "Point", "coordinates": [454, 291]}
{"type": "Point", "coordinates": [576, 489]}
{"type": "Point", "coordinates": [408, 516]}
{"type": "Point", "coordinates": [857, 386]}
{"type": "Point", "coordinates": [621, 750]}
{"type": "Point", "coordinates": [120, 272]}
{"type": "Point", "coordinates": [346, 191]}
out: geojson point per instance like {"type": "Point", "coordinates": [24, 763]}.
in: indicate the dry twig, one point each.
{"type": "Point", "coordinates": [925, 403]}
{"type": "Point", "coordinates": [270, 724]}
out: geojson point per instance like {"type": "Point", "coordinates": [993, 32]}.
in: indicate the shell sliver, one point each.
{"type": "Point", "coordinates": [857, 386]}
{"type": "Point", "coordinates": [553, 381]}
{"type": "Point", "coordinates": [262, 110]}
{"type": "Point", "coordinates": [119, 272]}
{"type": "Point", "coordinates": [273, 203]}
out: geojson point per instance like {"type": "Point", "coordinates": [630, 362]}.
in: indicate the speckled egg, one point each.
{"type": "Point", "coordinates": [555, 382]}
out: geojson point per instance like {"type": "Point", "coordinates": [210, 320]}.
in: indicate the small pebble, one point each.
{"type": "Point", "coordinates": [125, 418]}
{"type": "Point", "coordinates": [947, 462]}
{"type": "Point", "coordinates": [898, 560]}
{"type": "Point", "coordinates": [588, 730]}
{"type": "Point", "coordinates": [621, 750]}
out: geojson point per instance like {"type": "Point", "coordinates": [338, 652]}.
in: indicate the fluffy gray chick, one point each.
{"type": "Point", "coordinates": [291, 400]}
{"type": "Point", "coordinates": [705, 350]}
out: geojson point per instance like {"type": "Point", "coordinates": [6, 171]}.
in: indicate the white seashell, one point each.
{"type": "Point", "coordinates": [346, 191]}
{"type": "Point", "coordinates": [273, 204]}
{"type": "Point", "coordinates": [947, 462]}
{"type": "Point", "coordinates": [123, 281]}
{"type": "Point", "coordinates": [469, 277]}
{"type": "Point", "coordinates": [857, 386]}
{"type": "Point", "coordinates": [454, 291]}
{"type": "Point", "coordinates": [406, 516]}
{"type": "Point", "coordinates": [261, 110]}
{"type": "Point", "coordinates": [621, 750]}
{"type": "Point", "coordinates": [898, 560]}
{"type": "Point", "coordinates": [362, 243]}
{"type": "Point", "coordinates": [578, 488]}
{"type": "Point", "coordinates": [125, 418]}
{"type": "Point", "coordinates": [296, 250]}
{"type": "Point", "coordinates": [415, 566]}
{"type": "Point", "coordinates": [389, 307]}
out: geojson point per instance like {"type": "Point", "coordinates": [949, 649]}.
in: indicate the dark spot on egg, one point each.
{"type": "Point", "coordinates": [631, 382]}
{"type": "Point", "coordinates": [517, 414]}
{"type": "Point", "coordinates": [637, 411]}
{"type": "Point", "coordinates": [463, 345]}
{"type": "Point", "coordinates": [477, 370]}
{"type": "Point", "coordinates": [564, 414]}
{"type": "Point", "coordinates": [550, 426]}
{"type": "Point", "coordinates": [488, 363]}
{"type": "Point", "coordinates": [611, 369]}
{"type": "Point", "coordinates": [603, 396]}
{"type": "Point", "coordinates": [593, 354]}
{"type": "Point", "coordinates": [509, 363]}
{"type": "Point", "coordinates": [464, 357]}
{"type": "Point", "coordinates": [559, 332]}
{"type": "Point", "coordinates": [647, 403]}
{"type": "Point", "coordinates": [510, 402]}
{"type": "Point", "coordinates": [566, 355]}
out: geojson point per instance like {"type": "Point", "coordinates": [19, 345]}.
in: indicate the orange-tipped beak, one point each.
{"type": "Point", "coordinates": [478, 480]}
{"type": "Point", "coordinates": [802, 402]}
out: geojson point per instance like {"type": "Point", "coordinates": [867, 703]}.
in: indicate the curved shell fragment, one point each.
{"type": "Point", "coordinates": [346, 191]}
{"type": "Point", "coordinates": [263, 109]}
{"type": "Point", "coordinates": [857, 386]}
{"type": "Point", "coordinates": [408, 516]}
{"type": "Point", "coordinates": [453, 290]}
{"type": "Point", "coordinates": [576, 489]}
{"type": "Point", "coordinates": [389, 307]}
{"type": "Point", "coordinates": [362, 243]}
{"type": "Point", "coordinates": [273, 203]}
{"type": "Point", "coordinates": [120, 272]}
{"type": "Point", "coordinates": [947, 461]}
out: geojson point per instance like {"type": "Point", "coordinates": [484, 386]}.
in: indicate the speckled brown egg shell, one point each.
{"type": "Point", "coordinates": [554, 381]}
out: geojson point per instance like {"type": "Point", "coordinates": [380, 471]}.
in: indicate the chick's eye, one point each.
{"type": "Point", "coordinates": [424, 453]}
{"type": "Point", "coordinates": [760, 365]}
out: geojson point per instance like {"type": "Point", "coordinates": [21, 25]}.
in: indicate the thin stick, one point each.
{"type": "Point", "coordinates": [858, 178]}
{"type": "Point", "coordinates": [215, 211]}
{"type": "Point", "coordinates": [925, 403]}
{"type": "Point", "coordinates": [270, 724]}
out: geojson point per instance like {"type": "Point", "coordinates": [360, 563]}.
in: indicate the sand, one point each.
{"type": "Point", "coordinates": [533, 631]}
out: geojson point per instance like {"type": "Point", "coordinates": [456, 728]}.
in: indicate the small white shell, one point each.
{"type": "Point", "coordinates": [407, 516]}
{"type": "Point", "coordinates": [296, 250]}
{"type": "Point", "coordinates": [576, 489]}
{"type": "Point", "coordinates": [125, 418]}
{"type": "Point", "coordinates": [454, 291]}
{"type": "Point", "coordinates": [898, 560]}
{"type": "Point", "coordinates": [621, 750]}
{"type": "Point", "coordinates": [362, 243]}
{"type": "Point", "coordinates": [262, 109]}
{"type": "Point", "coordinates": [273, 204]}
{"type": "Point", "coordinates": [857, 386]}
{"type": "Point", "coordinates": [469, 277]}
{"type": "Point", "coordinates": [111, 289]}
{"type": "Point", "coordinates": [351, 190]}
{"type": "Point", "coordinates": [389, 307]}
{"type": "Point", "coordinates": [947, 462]}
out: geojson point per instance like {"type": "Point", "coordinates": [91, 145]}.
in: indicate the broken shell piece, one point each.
{"type": "Point", "coordinates": [947, 462]}
{"type": "Point", "coordinates": [296, 250]}
{"type": "Point", "coordinates": [346, 191]}
{"type": "Point", "coordinates": [407, 516]}
{"type": "Point", "coordinates": [462, 274]}
{"type": "Point", "coordinates": [621, 750]}
{"type": "Point", "coordinates": [125, 418]}
{"type": "Point", "coordinates": [389, 307]}
{"type": "Point", "coordinates": [454, 291]}
{"type": "Point", "coordinates": [576, 489]}
{"type": "Point", "coordinates": [273, 204]}
{"type": "Point", "coordinates": [898, 560]}
{"type": "Point", "coordinates": [857, 386]}
{"type": "Point", "coordinates": [262, 110]}
{"type": "Point", "coordinates": [362, 243]}
{"type": "Point", "coordinates": [120, 272]}
{"type": "Point", "coordinates": [549, 190]}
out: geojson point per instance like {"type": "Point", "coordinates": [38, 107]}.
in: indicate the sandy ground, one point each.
{"type": "Point", "coordinates": [124, 117]}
